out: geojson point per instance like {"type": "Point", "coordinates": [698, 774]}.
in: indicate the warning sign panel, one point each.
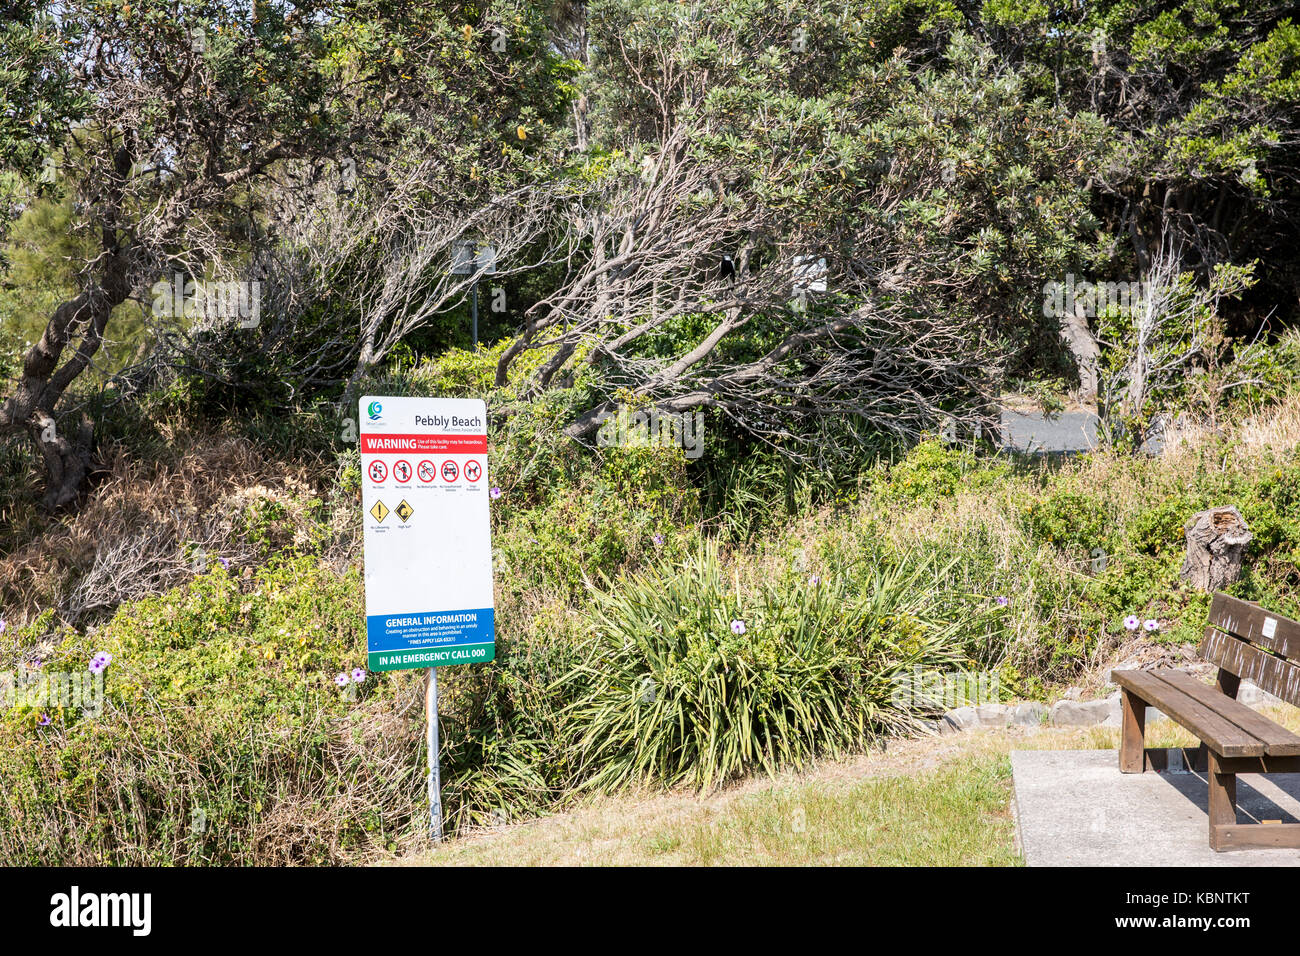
{"type": "Point", "coordinates": [429, 567]}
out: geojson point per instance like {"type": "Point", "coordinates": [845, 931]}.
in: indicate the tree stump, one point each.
{"type": "Point", "coordinates": [1216, 544]}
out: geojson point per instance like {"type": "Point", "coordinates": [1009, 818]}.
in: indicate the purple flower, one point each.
{"type": "Point", "coordinates": [658, 539]}
{"type": "Point", "coordinates": [341, 680]}
{"type": "Point", "coordinates": [1131, 622]}
{"type": "Point", "coordinates": [225, 563]}
{"type": "Point", "coordinates": [814, 580]}
{"type": "Point", "coordinates": [100, 661]}
{"type": "Point", "coordinates": [495, 492]}
{"type": "Point", "coordinates": [3, 625]}
{"type": "Point", "coordinates": [1003, 600]}
{"type": "Point", "coordinates": [44, 721]}
{"type": "Point", "coordinates": [358, 675]}
{"type": "Point", "coordinates": [1151, 624]}
{"type": "Point", "coordinates": [737, 627]}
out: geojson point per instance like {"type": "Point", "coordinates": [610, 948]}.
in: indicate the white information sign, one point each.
{"type": "Point", "coordinates": [427, 537]}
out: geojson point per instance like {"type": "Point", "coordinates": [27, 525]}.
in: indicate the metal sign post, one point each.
{"type": "Point", "coordinates": [428, 545]}
{"type": "Point", "coordinates": [476, 259]}
{"type": "Point", "coordinates": [435, 773]}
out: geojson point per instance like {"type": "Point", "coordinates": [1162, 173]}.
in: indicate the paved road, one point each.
{"type": "Point", "coordinates": [1067, 432]}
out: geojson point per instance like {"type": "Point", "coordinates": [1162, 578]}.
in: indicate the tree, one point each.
{"type": "Point", "coordinates": [735, 149]}
{"type": "Point", "coordinates": [179, 115]}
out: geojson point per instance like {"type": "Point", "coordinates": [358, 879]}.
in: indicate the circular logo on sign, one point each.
{"type": "Point", "coordinates": [450, 471]}
{"type": "Point", "coordinates": [426, 471]}
{"type": "Point", "coordinates": [473, 471]}
{"type": "Point", "coordinates": [378, 471]}
{"type": "Point", "coordinates": [402, 471]}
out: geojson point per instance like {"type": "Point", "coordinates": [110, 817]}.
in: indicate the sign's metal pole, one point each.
{"type": "Point", "coordinates": [475, 308]}
{"type": "Point", "coordinates": [435, 778]}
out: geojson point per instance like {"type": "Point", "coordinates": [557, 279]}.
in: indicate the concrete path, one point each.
{"type": "Point", "coordinates": [1034, 432]}
{"type": "Point", "coordinates": [1074, 808]}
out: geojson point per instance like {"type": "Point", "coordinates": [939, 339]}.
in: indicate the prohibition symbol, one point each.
{"type": "Point", "coordinates": [401, 471]}
{"type": "Point", "coordinates": [473, 471]}
{"type": "Point", "coordinates": [426, 471]}
{"type": "Point", "coordinates": [378, 471]}
{"type": "Point", "coordinates": [450, 471]}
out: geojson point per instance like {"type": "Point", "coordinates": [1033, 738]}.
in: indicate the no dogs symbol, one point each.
{"type": "Point", "coordinates": [473, 471]}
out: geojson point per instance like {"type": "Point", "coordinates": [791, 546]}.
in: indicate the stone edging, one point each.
{"type": "Point", "coordinates": [1104, 712]}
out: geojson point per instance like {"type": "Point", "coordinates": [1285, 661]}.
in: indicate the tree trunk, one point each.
{"type": "Point", "coordinates": [1084, 348]}
{"type": "Point", "coordinates": [1216, 544]}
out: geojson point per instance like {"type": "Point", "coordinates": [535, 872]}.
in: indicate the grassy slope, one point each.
{"type": "Point", "coordinates": [923, 802]}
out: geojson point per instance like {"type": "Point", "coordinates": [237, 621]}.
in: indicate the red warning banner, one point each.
{"type": "Point", "coordinates": [446, 444]}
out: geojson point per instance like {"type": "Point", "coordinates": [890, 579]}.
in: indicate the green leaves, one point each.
{"type": "Point", "coordinates": [692, 679]}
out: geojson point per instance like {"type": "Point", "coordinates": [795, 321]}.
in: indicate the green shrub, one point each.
{"type": "Point", "coordinates": [223, 738]}
{"type": "Point", "coordinates": [672, 694]}
{"type": "Point", "coordinates": [1069, 519]}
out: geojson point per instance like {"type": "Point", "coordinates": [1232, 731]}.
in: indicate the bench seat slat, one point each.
{"type": "Point", "coordinates": [1220, 734]}
{"type": "Point", "coordinates": [1277, 740]}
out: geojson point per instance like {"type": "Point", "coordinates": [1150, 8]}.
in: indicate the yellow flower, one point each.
{"type": "Point", "coordinates": [521, 132]}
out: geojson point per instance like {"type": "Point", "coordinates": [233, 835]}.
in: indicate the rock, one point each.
{"type": "Point", "coordinates": [1253, 696]}
{"type": "Point", "coordinates": [1114, 712]}
{"type": "Point", "coordinates": [1074, 713]}
{"type": "Point", "coordinates": [1032, 714]}
{"type": "Point", "coordinates": [977, 718]}
{"type": "Point", "coordinates": [1188, 652]}
{"type": "Point", "coordinates": [962, 718]}
{"type": "Point", "coordinates": [993, 715]}
{"type": "Point", "coordinates": [1073, 693]}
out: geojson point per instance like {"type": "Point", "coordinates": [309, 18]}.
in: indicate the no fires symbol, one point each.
{"type": "Point", "coordinates": [473, 471]}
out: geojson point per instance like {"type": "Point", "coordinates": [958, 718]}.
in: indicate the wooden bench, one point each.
{"type": "Point", "coordinates": [1247, 642]}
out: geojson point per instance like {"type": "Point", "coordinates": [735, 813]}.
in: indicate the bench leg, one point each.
{"type": "Point", "coordinates": [1132, 732]}
{"type": "Point", "coordinates": [1223, 803]}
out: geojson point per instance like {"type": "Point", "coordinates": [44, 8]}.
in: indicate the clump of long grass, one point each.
{"type": "Point", "coordinates": [690, 679]}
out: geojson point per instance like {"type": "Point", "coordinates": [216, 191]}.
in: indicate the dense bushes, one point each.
{"type": "Point", "coordinates": [224, 739]}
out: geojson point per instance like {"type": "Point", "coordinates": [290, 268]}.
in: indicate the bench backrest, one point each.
{"type": "Point", "coordinates": [1255, 644]}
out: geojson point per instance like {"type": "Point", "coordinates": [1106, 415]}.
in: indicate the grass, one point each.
{"type": "Point", "coordinates": [924, 802]}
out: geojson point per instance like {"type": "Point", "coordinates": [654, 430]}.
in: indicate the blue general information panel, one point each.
{"type": "Point", "coordinates": [430, 639]}
{"type": "Point", "coordinates": [425, 495]}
